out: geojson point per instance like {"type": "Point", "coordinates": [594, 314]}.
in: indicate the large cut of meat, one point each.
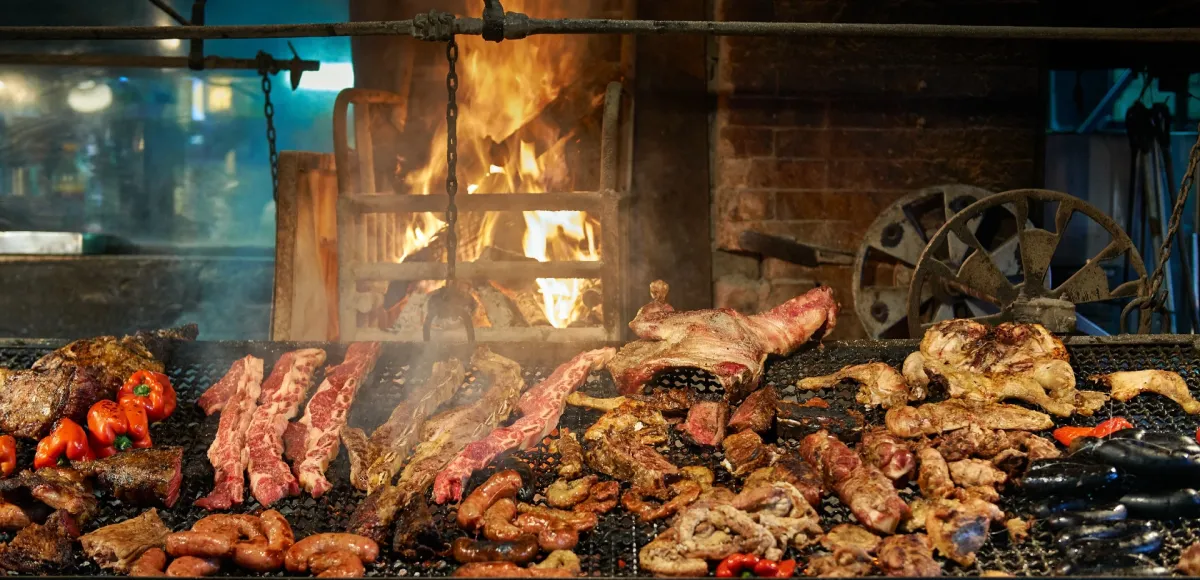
{"type": "Point", "coordinates": [117, 546]}
{"type": "Point", "coordinates": [442, 437]}
{"type": "Point", "coordinates": [326, 414]}
{"type": "Point", "coordinates": [227, 454]}
{"type": "Point", "coordinates": [869, 494]}
{"type": "Point", "coordinates": [139, 476]}
{"type": "Point", "coordinates": [935, 418]}
{"type": "Point", "coordinates": [985, 364]}
{"type": "Point", "coordinates": [68, 381]}
{"type": "Point", "coordinates": [282, 393]}
{"type": "Point", "coordinates": [375, 461]}
{"type": "Point", "coordinates": [541, 406]}
{"type": "Point", "coordinates": [1126, 385]}
{"type": "Point", "coordinates": [724, 342]}
{"type": "Point", "coordinates": [42, 548]}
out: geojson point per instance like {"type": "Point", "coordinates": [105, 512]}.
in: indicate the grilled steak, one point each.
{"type": "Point", "coordinates": [705, 424]}
{"type": "Point", "coordinates": [729, 345]}
{"type": "Point", "coordinates": [31, 401]}
{"type": "Point", "coordinates": [42, 548]}
{"type": "Point", "coordinates": [281, 396]}
{"type": "Point", "coordinates": [115, 359]}
{"type": "Point", "coordinates": [757, 412]}
{"type": "Point", "coordinates": [117, 546]}
{"type": "Point", "coordinates": [140, 476]}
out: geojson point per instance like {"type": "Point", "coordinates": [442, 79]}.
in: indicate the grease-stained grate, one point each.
{"type": "Point", "coordinates": [611, 549]}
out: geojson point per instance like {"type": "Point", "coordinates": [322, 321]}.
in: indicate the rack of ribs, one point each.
{"type": "Point", "coordinates": [227, 454]}
{"type": "Point", "coordinates": [728, 344]}
{"type": "Point", "coordinates": [326, 414]}
{"type": "Point", "coordinates": [281, 396]}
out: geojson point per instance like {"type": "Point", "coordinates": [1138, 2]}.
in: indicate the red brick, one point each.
{"type": "Point", "coordinates": [740, 293]}
{"type": "Point", "coordinates": [744, 206]}
{"type": "Point", "coordinates": [827, 274]}
{"type": "Point", "coordinates": [916, 174]}
{"type": "Point", "coordinates": [745, 142]}
{"type": "Point", "coordinates": [787, 173]}
{"type": "Point", "coordinates": [802, 143]}
{"type": "Point", "coordinates": [935, 113]}
{"type": "Point", "coordinates": [774, 112]}
{"type": "Point", "coordinates": [859, 208]}
{"type": "Point", "coordinates": [829, 233]}
{"type": "Point", "coordinates": [732, 173]}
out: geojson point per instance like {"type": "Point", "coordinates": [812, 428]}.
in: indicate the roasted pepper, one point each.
{"type": "Point", "coordinates": [114, 427]}
{"type": "Point", "coordinates": [8, 455]}
{"type": "Point", "coordinates": [153, 391]}
{"type": "Point", "coordinates": [736, 564]}
{"type": "Point", "coordinates": [1066, 435]}
{"type": "Point", "coordinates": [66, 441]}
{"type": "Point", "coordinates": [786, 569]}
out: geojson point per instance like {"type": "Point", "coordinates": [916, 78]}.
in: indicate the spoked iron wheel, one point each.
{"type": "Point", "coordinates": [893, 245]}
{"type": "Point", "coordinates": [958, 260]}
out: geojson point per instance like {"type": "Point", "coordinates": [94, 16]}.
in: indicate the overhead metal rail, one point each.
{"type": "Point", "coordinates": [439, 26]}
{"type": "Point", "coordinates": [144, 61]}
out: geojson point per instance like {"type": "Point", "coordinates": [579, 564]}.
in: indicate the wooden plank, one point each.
{"type": "Point", "coordinates": [477, 270]}
{"type": "Point", "coordinates": [669, 221]}
{"type": "Point", "coordinates": [305, 299]}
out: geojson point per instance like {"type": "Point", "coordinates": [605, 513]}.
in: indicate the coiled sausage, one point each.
{"type": "Point", "coordinates": [200, 544]}
{"type": "Point", "coordinates": [522, 551]}
{"type": "Point", "coordinates": [266, 553]}
{"type": "Point", "coordinates": [502, 485]}
{"type": "Point", "coordinates": [337, 564]}
{"type": "Point", "coordinates": [193, 567]}
{"type": "Point", "coordinates": [150, 563]}
{"type": "Point", "coordinates": [497, 522]}
{"type": "Point", "coordinates": [299, 555]}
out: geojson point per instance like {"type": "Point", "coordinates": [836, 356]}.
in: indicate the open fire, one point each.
{"type": "Point", "coordinates": [510, 142]}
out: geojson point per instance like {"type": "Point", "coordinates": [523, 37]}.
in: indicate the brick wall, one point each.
{"type": "Point", "coordinates": [814, 137]}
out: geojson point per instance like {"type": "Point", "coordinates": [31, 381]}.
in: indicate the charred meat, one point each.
{"type": "Point", "coordinates": [42, 548]}
{"type": "Point", "coordinates": [61, 488]}
{"type": "Point", "coordinates": [746, 452]}
{"type": "Point", "coordinates": [705, 424]}
{"type": "Point", "coordinates": [757, 412]}
{"type": "Point", "coordinates": [797, 421]}
{"type": "Point", "coordinates": [140, 476]}
{"type": "Point", "coordinates": [117, 546]}
{"type": "Point", "coordinates": [791, 469]}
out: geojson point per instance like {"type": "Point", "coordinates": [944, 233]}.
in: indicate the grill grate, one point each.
{"type": "Point", "coordinates": [611, 549]}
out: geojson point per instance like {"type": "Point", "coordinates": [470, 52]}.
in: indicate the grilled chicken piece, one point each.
{"type": "Point", "coordinates": [42, 548]}
{"type": "Point", "coordinates": [757, 412]}
{"type": "Point", "coordinates": [116, 547]}
{"type": "Point", "coordinates": [731, 346]}
{"type": "Point", "coordinates": [885, 451]}
{"type": "Point", "coordinates": [935, 418]}
{"type": "Point", "coordinates": [879, 384]}
{"type": "Point", "coordinates": [972, 441]}
{"type": "Point", "coordinates": [850, 537]}
{"type": "Point", "coordinates": [1129, 384]}
{"type": "Point", "coordinates": [908, 555]}
{"type": "Point", "coordinates": [840, 564]}
{"type": "Point", "coordinates": [140, 476]}
{"type": "Point", "coordinates": [959, 529]}
{"type": "Point", "coordinates": [991, 364]}
{"type": "Point", "coordinates": [933, 477]}
{"type": "Point", "coordinates": [61, 488]}
{"type": "Point", "coordinates": [976, 472]}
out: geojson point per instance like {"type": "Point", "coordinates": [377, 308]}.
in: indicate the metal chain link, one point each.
{"type": "Point", "coordinates": [451, 160]}
{"type": "Point", "coordinates": [269, 113]}
{"type": "Point", "coordinates": [1185, 189]}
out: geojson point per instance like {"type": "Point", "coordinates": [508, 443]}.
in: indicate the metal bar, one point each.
{"type": "Point", "coordinates": [400, 203]}
{"type": "Point", "coordinates": [519, 26]}
{"type": "Point", "coordinates": [170, 11]}
{"type": "Point", "coordinates": [140, 61]}
{"type": "Point", "coordinates": [1105, 103]}
{"type": "Point", "coordinates": [476, 270]}
{"type": "Point", "coordinates": [531, 334]}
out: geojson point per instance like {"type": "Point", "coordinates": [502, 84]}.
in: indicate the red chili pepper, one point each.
{"type": "Point", "coordinates": [1066, 435]}
{"type": "Point", "coordinates": [736, 564]}
{"type": "Point", "coordinates": [786, 569]}
{"type": "Point", "coordinates": [1106, 428]}
{"type": "Point", "coordinates": [766, 568]}
{"type": "Point", "coordinates": [8, 455]}
{"type": "Point", "coordinates": [114, 427]}
{"type": "Point", "coordinates": [68, 440]}
{"type": "Point", "coordinates": [153, 391]}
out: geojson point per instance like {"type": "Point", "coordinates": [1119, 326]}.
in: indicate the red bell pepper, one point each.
{"type": "Point", "coordinates": [66, 441]}
{"type": "Point", "coordinates": [114, 427]}
{"type": "Point", "coordinates": [153, 391]}
{"type": "Point", "coordinates": [8, 455]}
{"type": "Point", "coordinates": [1066, 435]}
{"type": "Point", "coordinates": [786, 569]}
{"type": "Point", "coordinates": [747, 565]}
{"type": "Point", "coordinates": [736, 564]}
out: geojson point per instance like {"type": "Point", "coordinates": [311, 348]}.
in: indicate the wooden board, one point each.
{"type": "Point", "coordinates": [306, 274]}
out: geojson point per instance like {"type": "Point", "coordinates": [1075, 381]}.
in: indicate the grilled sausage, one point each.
{"type": "Point", "coordinates": [504, 484]}
{"type": "Point", "coordinates": [565, 494]}
{"type": "Point", "coordinates": [257, 555]}
{"type": "Point", "coordinates": [581, 521]}
{"type": "Point", "coordinates": [278, 530]}
{"type": "Point", "coordinates": [242, 526]}
{"type": "Point", "coordinates": [150, 563]}
{"type": "Point", "coordinates": [558, 537]}
{"type": "Point", "coordinates": [508, 570]}
{"type": "Point", "coordinates": [200, 544]}
{"type": "Point", "coordinates": [299, 555]}
{"type": "Point", "coordinates": [522, 551]}
{"type": "Point", "coordinates": [337, 564]}
{"type": "Point", "coordinates": [497, 522]}
{"type": "Point", "coordinates": [193, 567]}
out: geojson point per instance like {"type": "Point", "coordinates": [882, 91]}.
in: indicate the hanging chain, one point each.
{"type": "Point", "coordinates": [1185, 189]}
{"type": "Point", "coordinates": [451, 160]}
{"type": "Point", "coordinates": [269, 113]}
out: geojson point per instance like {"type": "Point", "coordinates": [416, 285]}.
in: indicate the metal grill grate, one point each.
{"type": "Point", "coordinates": [611, 549]}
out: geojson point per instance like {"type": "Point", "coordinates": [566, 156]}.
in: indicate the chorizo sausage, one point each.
{"type": "Point", "coordinates": [200, 544]}
{"type": "Point", "coordinates": [193, 567]}
{"type": "Point", "coordinates": [150, 563]}
{"type": "Point", "coordinates": [503, 484]}
{"type": "Point", "coordinates": [337, 564]}
{"type": "Point", "coordinates": [558, 537]}
{"type": "Point", "coordinates": [301, 552]}
{"type": "Point", "coordinates": [581, 521]}
{"type": "Point", "coordinates": [278, 530]}
{"type": "Point", "coordinates": [508, 570]}
{"type": "Point", "coordinates": [565, 494]}
{"type": "Point", "coordinates": [522, 551]}
{"type": "Point", "coordinates": [497, 522]}
{"type": "Point", "coordinates": [245, 527]}
{"type": "Point", "coordinates": [257, 555]}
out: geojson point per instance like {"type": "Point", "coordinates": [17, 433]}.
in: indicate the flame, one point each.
{"type": "Point", "coordinates": [504, 87]}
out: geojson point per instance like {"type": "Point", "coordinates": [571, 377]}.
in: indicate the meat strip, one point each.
{"type": "Point", "coordinates": [117, 546]}
{"type": "Point", "coordinates": [282, 393]}
{"type": "Point", "coordinates": [227, 454]}
{"type": "Point", "coordinates": [731, 346]}
{"type": "Point", "coordinates": [327, 412]}
{"type": "Point", "coordinates": [540, 407]}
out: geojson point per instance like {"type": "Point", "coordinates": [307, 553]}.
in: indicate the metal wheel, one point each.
{"type": "Point", "coordinates": [892, 247]}
{"type": "Point", "coordinates": [957, 261]}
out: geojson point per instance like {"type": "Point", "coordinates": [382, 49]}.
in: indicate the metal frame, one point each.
{"type": "Point", "coordinates": [354, 266]}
